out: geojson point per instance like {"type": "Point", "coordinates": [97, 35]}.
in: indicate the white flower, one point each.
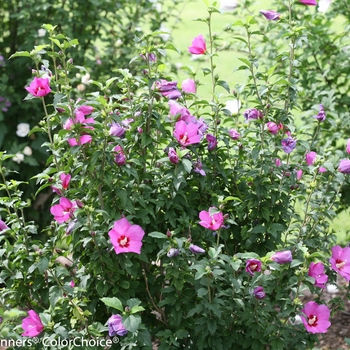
{"type": "Point", "coordinates": [164, 37]}
{"type": "Point", "coordinates": [323, 5]}
{"type": "Point", "coordinates": [228, 5]}
{"type": "Point", "coordinates": [81, 87]}
{"type": "Point", "coordinates": [18, 158]}
{"type": "Point", "coordinates": [23, 129]}
{"type": "Point", "coordinates": [233, 106]}
{"type": "Point", "coordinates": [85, 78]}
{"type": "Point", "coordinates": [118, 43]}
{"type": "Point", "coordinates": [27, 151]}
{"type": "Point", "coordinates": [41, 32]}
{"type": "Point", "coordinates": [332, 288]}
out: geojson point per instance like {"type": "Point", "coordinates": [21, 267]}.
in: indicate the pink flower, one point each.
{"type": "Point", "coordinates": [199, 46]}
{"type": "Point", "coordinates": [278, 162]}
{"type": "Point", "coordinates": [115, 326]}
{"type": "Point", "coordinates": [340, 261]}
{"type": "Point", "coordinates": [348, 146]}
{"type": "Point", "coordinates": [252, 266]}
{"type": "Point", "coordinates": [211, 221]}
{"type": "Point", "coordinates": [186, 134]}
{"type": "Point", "coordinates": [189, 86]}
{"type": "Point", "coordinates": [173, 157]}
{"type": "Point", "coordinates": [259, 292]}
{"type": "Point", "coordinates": [3, 226]}
{"type": "Point", "coordinates": [65, 178]}
{"type": "Point", "coordinates": [283, 257]}
{"type": "Point", "coordinates": [309, 2]}
{"type": "Point", "coordinates": [125, 237]}
{"type": "Point", "coordinates": [64, 211]}
{"type": "Point", "coordinates": [299, 174]}
{"type": "Point", "coordinates": [310, 158]}
{"type": "Point", "coordinates": [316, 319]}
{"type": "Point", "coordinates": [81, 141]}
{"type": "Point", "coordinates": [72, 284]}
{"type": "Point", "coordinates": [272, 128]}
{"type": "Point", "coordinates": [212, 142]}
{"type": "Point", "coordinates": [120, 157]}
{"type": "Point", "coordinates": [39, 87]}
{"type": "Point", "coordinates": [271, 15]}
{"type": "Point", "coordinates": [344, 166]}
{"type": "Point", "coordinates": [321, 116]}
{"type": "Point", "coordinates": [32, 325]}
{"type": "Point", "coordinates": [316, 271]}
{"type": "Point", "coordinates": [86, 110]}
{"type": "Point", "coordinates": [235, 135]}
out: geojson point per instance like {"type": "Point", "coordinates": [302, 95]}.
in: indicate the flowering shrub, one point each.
{"type": "Point", "coordinates": [176, 224]}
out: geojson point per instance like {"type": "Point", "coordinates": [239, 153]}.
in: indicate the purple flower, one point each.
{"type": "Point", "coordinates": [196, 250]}
{"type": "Point", "coordinates": [120, 157]}
{"type": "Point", "coordinates": [271, 15]}
{"type": "Point", "coordinates": [172, 252]}
{"type": "Point", "coordinates": [252, 113]}
{"type": "Point", "coordinates": [198, 168]}
{"type": "Point", "coordinates": [259, 292]}
{"type": "Point", "coordinates": [252, 266]}
{"type": "Point", "coordinates": [151, 57]}
{"type": "Point", "coordinates": [321, 116]}
{"type": "Point", "coordinates": [117, 130]}
{"type": "Point", "coordinates": [212, 142]}
{"type": "Point", "coordinates": [115, 326]}
{"type": "Point", "coordinates": [235, 135]}
{"type": "Point", "coordinates": [173, 157]}
{"type": "Point", "coordinates": [344, 166]}
{"type": "Point", "coordinates": [283, 257]}
{"type": "Point", "coordinates": [168, 89]}
{"type": "Point", "coordinates": [288, 144]}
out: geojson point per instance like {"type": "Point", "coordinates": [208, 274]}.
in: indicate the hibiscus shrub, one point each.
{"type": "Point", "coordinates": [177, 223]}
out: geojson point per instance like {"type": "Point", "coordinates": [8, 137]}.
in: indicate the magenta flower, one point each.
{"type": "Point", "coordinates": [309, 2]}
{"type": "Point", "coordinates": [120, 157]}
{"type": "Point", "coordinates": [235, 135]}
{"type": "Point", "coordinates": [310, 158]}
{"type": "Point", "coordinates": [259, 293]}
{"type": "Point", "coordinates": [316, 317]}
{"type": "Point", "coordinates": [272, 128]}
{"type": "Point", "coordinates": [348, 146]}
{"type": "Point", "coordinates": [278, 162]}
{"type": "Point", "coordinates": [199, 46]}
{"type": "Point", "coordinates": [252, 266]}
{"type": "Point", "coordinates": [3, 226]}
{"type": "Point", "coordinates": [64, 211]}
{"type": "Point", "coordinates": [39, 87]}
{"type": "Point", "coordinates": [321, 169]}
{"type": "Point", "coordinates": [196, 250]}
{"type": "Point", "coordinates": [299, 174]}
{"type": "Point", "coordinates": [321, 116]}
{"type": "Point", "coordinates": [125, 237]}
{"type": "Point", "coordinates": [32, 325]}
{"type": "Point", "coordinates": [252, 113]}
{"type": "Point", "coordinates": [173, 157]}
{"type": "Point", "coordinates": [86, 110]}
{"type": "Point", "coordinates": [212, 142]}
{"type": "Point", "coordinates": [189, 86]}
{"type": "Point", "coordinates": [115, 326]}
{"type": "Point", "coordinates": [65, 178]}
{"type": "Point", "coordinates": [82, 140]}
{"type": "Point", "coordinates": [212, 222]}
{"type": "Point", "coordinates": [283, 257]}
{"type": "Point", "coordinates": [271, 15]}
{"type": "Point", "coordinates": [344, 166]}
{"type": "Point", "coordinates": [288, 144]}
{"type": "Point", "coordinates": [316, 271]}
{"type": "Point", "coordinates": [340, 261]}
{"type": "Point", "coordinates": [72, 284]}
{"type": "Point", "coordinates": [117, 130]}
{"type": "Point", "coordinates": [186, 134]}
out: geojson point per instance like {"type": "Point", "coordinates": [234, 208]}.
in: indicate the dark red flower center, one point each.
{"type": "Point", "coordinates": [183, 138]}
{"type": "Point", "coordinates": [340, 263]}
{"type": "Point", "coordinates": [253, 267]}
{"type": "Point", "coordinates": [312, 321]}
{"type": "Point", "coordinates": [123, 241]}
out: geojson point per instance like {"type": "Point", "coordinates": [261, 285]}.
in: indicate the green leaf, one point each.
{"type": "Point", "coordinates": [131, 322]}
{"type": "Point", "coordinates": [187, 164]}
{"type": "Point", "coordinates": [43, 264]}
{"type": "Point", "coordinates": [245, 61]}
{"type": "Point", "coordinates": [156, 234]}
{"type": "Point", "coordinates": [223, 84]}
{"type": "Point", "coordinates": [20, 54]}
{"type": "Point", "coordinates": [113, 302]}
{"type": "Point", "coordinates": [136, 309]}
